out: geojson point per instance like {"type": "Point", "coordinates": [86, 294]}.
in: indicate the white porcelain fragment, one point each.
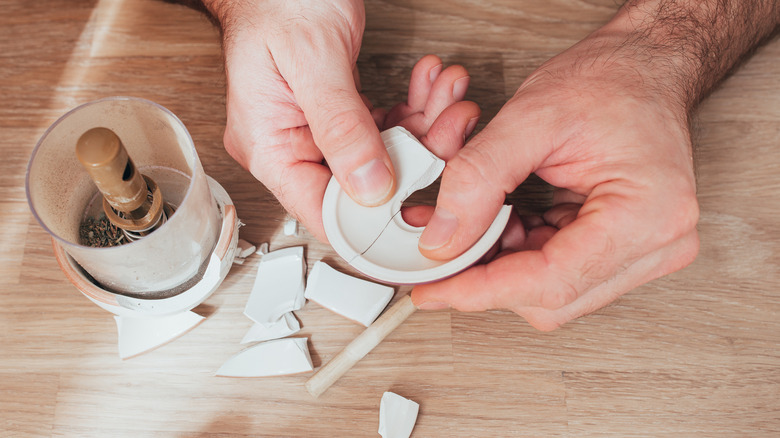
{"type": "Point", "coordinates": [377, 241]}
{"type": "Point", "coordinates": [397, 416]}
{"type": "Point", "coordinates": [272, 358]}
{"type": "Point", "coordinates": [278, 286]}
{"type": "Point", "coordinates": [286, 326]}
{"type": "Point", "coordinates": [262, 249]}
{"type": "Point", "coordinates": [351, 297]}
{"type": "Point", "coordinates": [291, 227]}
{"type": "Point", "coordinates": [245, 249]}
{"type": "Point", "coordinates": [140, 335]}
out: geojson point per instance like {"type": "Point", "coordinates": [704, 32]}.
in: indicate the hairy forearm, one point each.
{"type": "Point", "coordinates": [690, 45]}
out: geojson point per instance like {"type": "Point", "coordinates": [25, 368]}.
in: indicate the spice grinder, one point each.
{"type": "Point", "coordinates": [171, 232]}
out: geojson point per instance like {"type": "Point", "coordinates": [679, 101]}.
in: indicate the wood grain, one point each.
{"type": "Point", "coordinates": [695, 353]}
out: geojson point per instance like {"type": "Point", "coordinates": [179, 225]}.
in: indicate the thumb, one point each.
{"type": "Point", "coordinates": [475, 183]}
{"type": "Point", "coordinates": [343, 129]}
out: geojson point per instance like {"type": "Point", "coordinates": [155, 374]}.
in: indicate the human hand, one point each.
{"type": "Point", "coordinates": [597, 125]}
{"type": "Point", "coordinates": [294, 100]}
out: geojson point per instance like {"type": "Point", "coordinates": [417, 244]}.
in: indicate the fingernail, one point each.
{"type": "Point", "coordinates": [459, 88]}
{"type": "Point", "coordinates": [434, 305]}
{"type": "Point", "coordinates": [371, 183]}
{"type": "Point", "coordinates": [470, 127]}
{"type": "Point", "coordinates": [439, 229]}
{"type": "Point", "coordinates": [434, 72]}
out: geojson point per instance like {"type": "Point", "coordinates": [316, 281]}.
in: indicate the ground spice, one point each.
{"type": "Point", "coordinates": [100, 233]}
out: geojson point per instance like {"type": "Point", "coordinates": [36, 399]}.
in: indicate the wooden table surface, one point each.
{"type": "Point", "coordinates": [693, 354]}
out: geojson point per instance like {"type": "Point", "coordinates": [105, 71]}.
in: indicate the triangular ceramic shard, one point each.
{"type": "Point", "coordinates": [140, 335]}
{"type": "Point", "coordinates": [286, 326]}
{"type": "Point", "coordinates": [272, 358]}
{"type": "Point", "coordinates": [351, 297]}
{"type": "Point", "coordinates": [377, 241]}
{"type": "Point", "coordinates": [397, 416]}
{"type": "Point", "coordinates": [278, 287]}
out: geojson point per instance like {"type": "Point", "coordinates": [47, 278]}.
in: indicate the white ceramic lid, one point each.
{"type": "Point", "coordinates": [377, 241]}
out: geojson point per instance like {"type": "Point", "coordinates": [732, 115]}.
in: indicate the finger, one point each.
{"type": "Point", "coordinates": [341, 125]}
{"type": "Point", "coordinates": [531, 221]}
{"type": "Point", "coordinates": [449, 87]}
{"type": "Point", "coordinates": [561, 196]}
{"type": "Point", "coordinates": [379, 115]}
{"type": "Point", "coordinates": [366, 102]}
{"type": "Point", "coordinates": [538, 237]}
{"type": "Point", "coordinates": [447, 134]}
{"type": "Point", "coordinates": [418, 215]}
{"type": "Point", "coordinates": [356, 78]}
{"type": "Point", "coordinates": [396, 114]}
{"type": "Point", "coordinates": [491, 165]}
{"type": "Point", "coordinates": [514, 236]}
{"type": "Point", "coordinates": [424, 74]}
{"type": "Point", "coordinates": [562, 214]}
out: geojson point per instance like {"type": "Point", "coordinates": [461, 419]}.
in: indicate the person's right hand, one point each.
{"type": "Point", "coordinates": [606, 130]}
{"type": "Point", "coordinates": [293, 100]}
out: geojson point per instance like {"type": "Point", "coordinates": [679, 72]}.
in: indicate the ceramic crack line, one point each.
{"type": "Point", "coordinates": [377, 241]}
{"type": "Point", "coordinates": [372, 243]}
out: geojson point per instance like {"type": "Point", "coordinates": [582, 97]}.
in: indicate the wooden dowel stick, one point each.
{"type": "Point", "coordinates": [360, 346]}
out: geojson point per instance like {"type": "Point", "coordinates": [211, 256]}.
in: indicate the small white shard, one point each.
{"type": "Point", "coordinates": [397, 416]}
{"type": "Point", "coordinates": [139, 335]}
{"type": "Point", "coordinates": [245, 249]}
{"type": "Point", "coordinates": [286, 326]}
{"type": "Point", "coordinates": [278, 287]}
{"type": "Point", "coordinates": [291, 227]}
{"type": "Point", "coordinates": [263, 248]}
{"type": "Point", "coordinates": [351, 297]}
{"type": "Point", "coordinates": [273, 358]}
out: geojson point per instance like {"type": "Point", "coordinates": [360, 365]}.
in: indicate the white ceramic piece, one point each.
{"type": "Point", "coordinates": [262, 249]}
{"type": "Point", "coordinates": [286, 326]}
{"type": "Point", "coordinates": [139, 335]}
{"type": "Point", "coordinates": [351, 297]}
{"type": "Point", "coordinates": [278, 287]}
{"type": "Point", "coordinates": [245, 249]}
{"type": "Point", "coordinates": [273, 358]}
{"type": "Point", "coordinates": [397, 416]}
{"type": "Point", "coordinates": [377, 241]}
{"type": "Point", "coordinates": [291, 227]}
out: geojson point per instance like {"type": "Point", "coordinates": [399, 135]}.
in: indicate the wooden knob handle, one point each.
{"type": "Point", "coordinates": [104, 157]}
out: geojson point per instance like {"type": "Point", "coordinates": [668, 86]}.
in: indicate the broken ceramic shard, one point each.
{"type": "Point", "coordinates": [397, 416]}
{"type": "Point", "coordinates": [272, 358]}
{"type": "Point", "coordinates": [243, 250]}
{"type": "Point", "coordinates": [291, 227]}
{"type": "Point", "coordinates": [263, 248]}
{"type": "Point", "coordinates": [286, 326]}
{"type": "Point", "coordinates": [351, 297]}
{"type": "Point", "coordinates": [139, 335]}
{"type": "Point", "coordinates": [377, 241]}
{"type": "Point", "coordinates": [278, 287]}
